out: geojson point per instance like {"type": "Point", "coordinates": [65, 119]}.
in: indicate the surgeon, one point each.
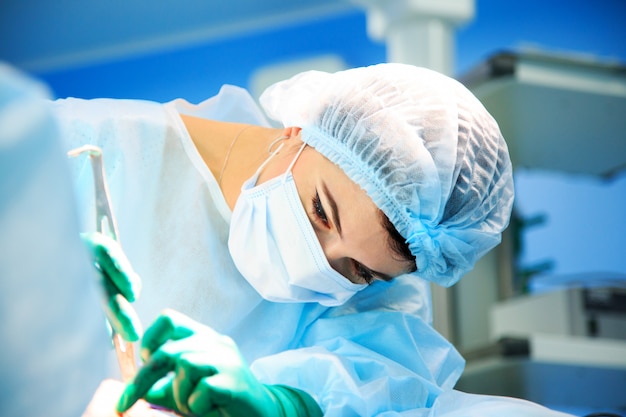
{"type": "Point", "coordinates": [294, 257]}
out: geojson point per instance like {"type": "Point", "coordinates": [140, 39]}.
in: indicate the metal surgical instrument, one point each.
{"type": "Point", "coordinates": [105, 224]}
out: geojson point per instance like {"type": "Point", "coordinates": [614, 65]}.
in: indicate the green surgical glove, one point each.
{"type": "Point", "coordinates": [193, 370]}
{"type": "Point", "coordinates": [120, 283]}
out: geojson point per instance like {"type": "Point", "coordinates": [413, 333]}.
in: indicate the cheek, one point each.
{"type": "Point", "coordinates": [368, 239]}
{"type": "Point", "coordinates": [371, 240]}
{"type": "Point", "coordinates": [361, 223]}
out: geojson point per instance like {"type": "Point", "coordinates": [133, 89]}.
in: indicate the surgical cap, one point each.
{"type": "Point", "coordinates": [420, 144]}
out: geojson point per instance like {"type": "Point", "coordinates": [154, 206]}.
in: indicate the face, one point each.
{"type": "Point", "coordinates": [346, 221]}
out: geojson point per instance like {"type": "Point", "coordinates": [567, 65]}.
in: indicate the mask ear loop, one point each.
{"type": "Point", "coordinates": [272, 154]}
{"type": "Point", "coordinates": [258, 171]}
{"type": "Point", "coordinates": [274, 142]}
{"type": "Point", "coordinates": [294, 160]}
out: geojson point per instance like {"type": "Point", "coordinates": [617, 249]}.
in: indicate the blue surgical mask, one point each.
{"type": "Point", "coordinates": [274, 246]}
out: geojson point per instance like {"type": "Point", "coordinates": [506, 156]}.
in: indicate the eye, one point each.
{"type": "Point", "coordinates": [319, 211]}
{"type": "Point", "coordinates": [363, 273]}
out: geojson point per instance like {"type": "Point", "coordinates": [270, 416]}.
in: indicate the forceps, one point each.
{"type": "Point", "coordinates": [105, 224]}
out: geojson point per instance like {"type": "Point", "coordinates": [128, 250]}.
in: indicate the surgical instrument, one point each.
{"type": "Point", "coordinates": [106, 224]}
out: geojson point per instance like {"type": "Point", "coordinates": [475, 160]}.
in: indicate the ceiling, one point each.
{"type": "Point", "coordinates": [41, 35]}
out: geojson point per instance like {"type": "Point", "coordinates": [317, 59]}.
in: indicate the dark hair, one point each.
{"type": "Point", "coordinates": [398, 244]}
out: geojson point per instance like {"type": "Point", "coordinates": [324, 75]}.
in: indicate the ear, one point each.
{"type": "Point", "coordinates": [291, 132]}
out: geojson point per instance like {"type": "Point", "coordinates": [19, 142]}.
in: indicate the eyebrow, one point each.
{"type": "Point", "coordinates": [335, 215]}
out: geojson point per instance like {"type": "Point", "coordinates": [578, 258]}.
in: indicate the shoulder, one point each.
{"type": "Point", "coordinates": [231, 104]}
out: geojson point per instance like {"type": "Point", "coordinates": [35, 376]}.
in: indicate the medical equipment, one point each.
{"type": "Point", "coordinates": [105, 224]}
{"type": "Point", "coordinates": [594, 312]}
{"type": "Point", "coordinates": [549, 345]}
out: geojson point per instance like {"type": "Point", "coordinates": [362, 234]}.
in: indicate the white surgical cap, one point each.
{"type": "Point", "coordinates": [423, 148]}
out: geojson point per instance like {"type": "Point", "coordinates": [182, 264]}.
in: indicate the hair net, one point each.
{"type": "Point", "coordinates": [423, 148]}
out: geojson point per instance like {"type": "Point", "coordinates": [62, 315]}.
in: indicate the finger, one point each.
{"type": "Point", "coordinates": [170, 325]}
{"type": "Point", "coordinates": [190, 369]}
{"type": "Point", "coordinates": [182, 385]}
{"type": "Point", "coordinates": [123, 318]}
{"type": "Point", "coordinates": [162, 393]}
{"type": "Point", "coordinates": [155, 369]}
{"type": "Point", "coordinates": [113, 262]}
{"type": "Point", "coordinates": [118, 269]}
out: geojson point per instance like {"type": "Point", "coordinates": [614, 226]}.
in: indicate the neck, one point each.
{"type": "Point", "coordinates": [245, 146]}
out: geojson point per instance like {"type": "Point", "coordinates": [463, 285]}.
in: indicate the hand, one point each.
{"type": "Point", "coordinates": [120, 283]}
{"type": "Point", "coordinates": [191, 369]}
